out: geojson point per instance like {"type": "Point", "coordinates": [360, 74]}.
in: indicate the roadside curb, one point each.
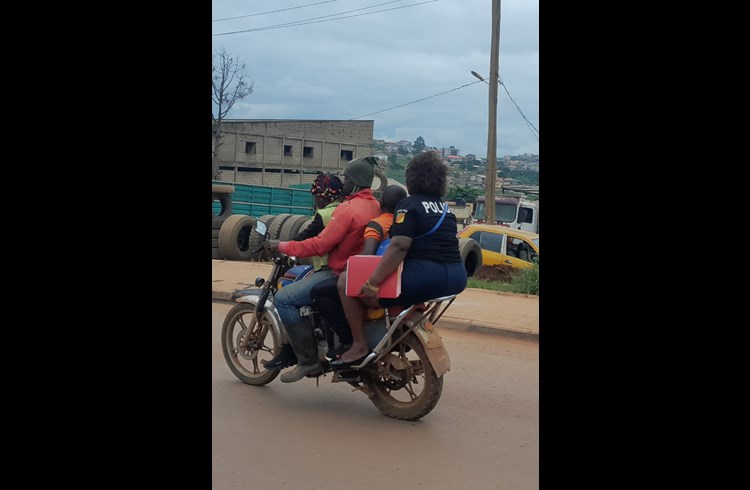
{"type": "Point", "coordinates": [446, 321]}
{"type": "Point", "coordinates": [466, 325]}
{"type": "Point", "coordinates": [518, 295]}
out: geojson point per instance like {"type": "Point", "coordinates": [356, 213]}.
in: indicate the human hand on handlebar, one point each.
{"type": "Point", "coordinates": [271, 245]}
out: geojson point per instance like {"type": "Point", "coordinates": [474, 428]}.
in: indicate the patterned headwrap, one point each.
{"type": "Point", "coordinates": [328, 186]}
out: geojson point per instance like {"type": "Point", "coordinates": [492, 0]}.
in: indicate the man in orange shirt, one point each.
{"type": "Point", "coordinates": [341, 238]}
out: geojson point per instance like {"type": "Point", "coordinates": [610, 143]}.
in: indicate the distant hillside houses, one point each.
{"type": "Point", "coordinates": [452, 155]}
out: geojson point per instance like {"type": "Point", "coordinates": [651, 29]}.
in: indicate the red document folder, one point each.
{"type": "Point", "coordinates": [359, 269]}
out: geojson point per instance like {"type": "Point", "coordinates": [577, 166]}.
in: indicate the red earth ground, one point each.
{"type": "Point", "coordinates": [500, 273]}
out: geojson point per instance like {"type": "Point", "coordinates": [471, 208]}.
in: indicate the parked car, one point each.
{"type": "Point", "coordinates": [504, 246]}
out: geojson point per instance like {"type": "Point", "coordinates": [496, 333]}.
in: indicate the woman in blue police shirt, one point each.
{"type": "Point", "coordinates": [432, 261]}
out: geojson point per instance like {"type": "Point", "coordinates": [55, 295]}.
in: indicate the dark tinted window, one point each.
{"type": "Point", "coordinates": [491, 241]}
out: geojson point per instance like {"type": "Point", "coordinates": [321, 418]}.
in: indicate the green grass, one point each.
{"type": "Point", "coordinates": [524, 281]}
{"type": "Point", "coordinates": [491, 285]}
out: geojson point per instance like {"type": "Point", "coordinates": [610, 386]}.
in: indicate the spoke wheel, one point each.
{"type": "Point", "coordinates": [406, 387]}
{"type": "Point", "coordinates": [246, 341]}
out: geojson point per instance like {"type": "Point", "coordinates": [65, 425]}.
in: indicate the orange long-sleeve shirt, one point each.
{"type": "Point", "coordinates": [344, 234]}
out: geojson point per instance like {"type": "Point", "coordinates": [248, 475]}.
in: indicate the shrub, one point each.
{"type": "Point", "coordinates": [526, 281]}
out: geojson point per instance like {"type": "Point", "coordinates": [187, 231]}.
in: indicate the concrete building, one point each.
{"type": "Point", "coordinates": [452, 151]}
{"type": "Point", "coordinates": [282, 152]}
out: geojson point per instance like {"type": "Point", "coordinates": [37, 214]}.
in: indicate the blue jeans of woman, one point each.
{"type": "Point", "coordinates": [426, 279]}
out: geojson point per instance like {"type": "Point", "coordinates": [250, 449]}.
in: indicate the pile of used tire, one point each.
{"type": "Point", "coordinates": [238, 241]}
{"type": "Point", "coordinates": [222, 194]}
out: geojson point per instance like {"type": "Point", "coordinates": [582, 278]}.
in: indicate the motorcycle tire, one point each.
{"type": "Point", "coordinates": [392, 399]}
{"type": "Point", "coordinates": [246, 363]}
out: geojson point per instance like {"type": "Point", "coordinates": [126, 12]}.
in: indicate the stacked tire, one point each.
{"type": "Point", "coordinates": [238, 241]}
{"type": "Point", "coordinates": [377, 189]}
{"type": "Point", "coordinates": [471, 255]}
{"type": "Point", "coordinates": [223, 194]}
{"type": "Point", "coordinates": [236, 237]}
{"type": "Point", "coordinates": [285, 227]}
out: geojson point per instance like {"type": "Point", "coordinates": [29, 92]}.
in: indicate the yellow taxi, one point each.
{"type": "Point", "coordinates": [504, 246]}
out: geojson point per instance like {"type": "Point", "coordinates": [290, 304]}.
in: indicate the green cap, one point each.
{"type": "Point", "coordinates": [361, 171]}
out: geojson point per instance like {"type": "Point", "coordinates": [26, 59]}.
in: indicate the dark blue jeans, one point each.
{"type": "Point", "coordinates": [426, 279]}
{"type": "Point", "coordinates": [290, 298]}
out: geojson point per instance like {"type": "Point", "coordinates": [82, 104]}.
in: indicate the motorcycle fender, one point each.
{"type": "Point", "coordinates": [271, 313]}
{"type": "Point", "coordinates": [433, 345]}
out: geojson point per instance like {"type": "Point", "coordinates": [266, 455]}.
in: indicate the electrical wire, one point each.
{"type": "Point", "coordinates": [519, 110]}
{"type": "Point", "coordinates": [312, 21]}
{"type": "Point", "coordinates": [532, 128]}
{"type": "Point", "coordinates": [415, 101]}
{"type": "Point", "coordinates": [272, 11]}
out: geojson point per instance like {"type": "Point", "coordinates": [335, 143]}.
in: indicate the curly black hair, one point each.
{"type": "Point", "coordinates": [427, 174]}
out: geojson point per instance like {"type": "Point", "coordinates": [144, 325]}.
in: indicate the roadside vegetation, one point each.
{"type": "Point", "coordinates": [506, 279]}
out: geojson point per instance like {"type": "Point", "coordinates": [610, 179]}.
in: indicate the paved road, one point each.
{"type": "Point", "coordinates": [483, 434]}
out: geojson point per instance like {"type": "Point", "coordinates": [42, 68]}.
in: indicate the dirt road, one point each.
{"type": "Point", "coordinates": [483, 434]}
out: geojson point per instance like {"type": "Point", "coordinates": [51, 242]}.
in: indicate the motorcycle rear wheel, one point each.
{"type": "Point", "coordinates": [419, 389]}
{"type": "Point", "coordinates": [245, 362]}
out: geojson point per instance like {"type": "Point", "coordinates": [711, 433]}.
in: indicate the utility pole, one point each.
{"type": "Point", "coordinates": [489, 200]}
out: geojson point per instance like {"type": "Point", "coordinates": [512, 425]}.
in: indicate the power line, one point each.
{"type": "Point", "coordinates": [532, 128]}
{"type": "Point", "coordinates": [308, 21]}
{"type": "Point", "coordinates": [273, 11]}
{"type": "Point", "coordinates": [415, 101]}
{"type": "Point", "coordinates": [312, 21]}
{"type": "Point", "coordinates": [519, 110]}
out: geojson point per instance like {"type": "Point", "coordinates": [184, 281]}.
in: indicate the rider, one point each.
{"type": "Point", "coordinates": [327, 191]}
{"type": "Point", "coordinates": [326, 293]}
{"type": "Point", "coordinates": [424, 238]}
{"type": "Point", "coordinates": [341, 238]}
{"type": "Point", "coordinates": [377, 229]}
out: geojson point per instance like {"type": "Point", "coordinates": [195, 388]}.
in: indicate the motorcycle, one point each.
{"type": "Point", "coordinates": [402, 375]}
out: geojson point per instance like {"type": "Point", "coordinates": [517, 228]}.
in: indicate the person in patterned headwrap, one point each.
{"type": "Point", "coordinates": [327, 191]}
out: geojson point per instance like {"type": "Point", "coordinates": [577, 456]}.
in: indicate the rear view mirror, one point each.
{"type": "Point", "coordinates": [261, 228]}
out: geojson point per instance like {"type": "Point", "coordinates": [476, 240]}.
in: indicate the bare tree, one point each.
{"type": "Point", "coordinates": [229, 83]}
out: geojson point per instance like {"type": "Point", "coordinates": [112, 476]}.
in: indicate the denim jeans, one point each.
{"type": "Point", "coordinates": [290, 298]}
{"type": "Point", "coordinates": [426, 279]}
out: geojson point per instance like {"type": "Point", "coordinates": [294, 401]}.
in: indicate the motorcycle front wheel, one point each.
{"type": "Point", "coordinates": [407, 387]}
{"type": "Point", "coordinates": [245, 342]}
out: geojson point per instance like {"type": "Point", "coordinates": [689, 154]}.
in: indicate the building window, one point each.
{"type": "Point", "coordinates": [287, 150]}
{"type": "Point", "coordinates": [347, 155]}
{"type": "Point", "coordinates": [250, 147]}
{"type": "Point", "coordinates": [307, 151]}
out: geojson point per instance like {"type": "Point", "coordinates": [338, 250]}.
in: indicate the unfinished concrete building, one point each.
{"type": "Point", "coordinates": [282, 152]}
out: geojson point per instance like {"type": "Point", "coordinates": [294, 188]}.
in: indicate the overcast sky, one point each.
{"type": "Point", "coordinates": [347, 68]}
